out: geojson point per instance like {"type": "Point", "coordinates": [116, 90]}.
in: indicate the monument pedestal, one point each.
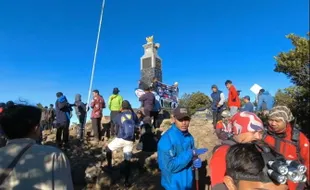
{"type": "Point", "coordinates": [150, 62]}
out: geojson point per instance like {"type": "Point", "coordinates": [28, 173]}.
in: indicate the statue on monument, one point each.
{"type": "Point", "coordinates": [150, 39]}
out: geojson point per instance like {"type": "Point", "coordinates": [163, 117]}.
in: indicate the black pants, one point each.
{"type": "Point", "coordinates": [62, 133]}
{"type": "Point", "coordinates": [96, 125]}
{"type": "Point", "coordinates": [81, 126]}
{"type": "Point", "coordinates": [216, 117]}
{"type": "Point", "coordinates": [113, 126]}
{"type": "Point", "coordinates": [155, 114]}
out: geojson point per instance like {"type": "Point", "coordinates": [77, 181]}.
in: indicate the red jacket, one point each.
{"type": "Point", "coordinates": [218, 167]}
{"type": "Point", "coordinates": [97, 104]}
{"type": "Point", "coordinates": [288, 150]}
{"type": "Point", "coordinates": [233, 98]}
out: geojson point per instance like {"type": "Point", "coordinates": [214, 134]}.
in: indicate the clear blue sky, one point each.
{"type": "Point", "coordinates": [47, 46]}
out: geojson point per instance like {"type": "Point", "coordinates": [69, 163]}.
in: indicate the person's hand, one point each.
{"type": "Point", "coordinates": [197, 163]}
{"type": "Point", "coordinates": [199, 151]}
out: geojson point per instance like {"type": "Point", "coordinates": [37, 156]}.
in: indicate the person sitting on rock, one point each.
{"type": "Point", "coordinates": [127, 121]}
{"type": "Point", "coordinates": [222, 130]}
{"type": "Point", "coordinates": [246, 127]}
{"type": "Point", "coordinates": [177, 154]}
{"type": "Point", "coordinates": [30, 165]}
{"type": "Point", "coordinates": [246, 169]}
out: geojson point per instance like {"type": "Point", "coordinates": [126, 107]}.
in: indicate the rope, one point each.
{"type": "Point", "coordinates": [95, 57]}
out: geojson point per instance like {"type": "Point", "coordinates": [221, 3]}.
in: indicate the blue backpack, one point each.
{"type": "Point", "coordinates": [128, 128]}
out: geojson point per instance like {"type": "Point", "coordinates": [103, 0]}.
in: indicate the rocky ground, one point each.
{"type": "Point", "coordinates": [87, 160]}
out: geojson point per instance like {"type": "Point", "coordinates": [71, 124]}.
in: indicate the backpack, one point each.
{"type": "Point", "coordinates": [128, 128]}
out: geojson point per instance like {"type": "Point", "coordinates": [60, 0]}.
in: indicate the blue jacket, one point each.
{"type": "Point", "coordinates": [265, 102]}
{"type": "Point", "coordinates": [118, 121]}
{"type": "Point", "coordinates": [175, 154]}
{"type": "Point", "coordinates": [249, 107]}
{"type": "Point", "coordinates": [63, 110]}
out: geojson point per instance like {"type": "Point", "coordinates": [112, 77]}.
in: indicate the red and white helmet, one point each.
{"type": "Point", "coordinates": [243, 122]}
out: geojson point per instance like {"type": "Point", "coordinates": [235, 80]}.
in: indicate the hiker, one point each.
{"type": "Point", "coordinates": [265, 101]}
{"type": "Point", "coordinates": [245, 127]}
{"type": "Point", "coordinates": [247, 169]}
{"type": "Point", "coordinates": [218, 100]}
{"type": "Point", "coordinates": [222, 129]}
{"type": "Point", "coordinates": [63, 116]}
{"type": "Point", "coordinates": [126, 121]}
{"type": "Point", "coordinates": [283, 136]}
{"type": "Point", "coordinates": [148, 101]}
{"type": "Point", "coordinates": [51, 116]}
{"type": "Point", "coordinates": [33, 166]}
{"type": "Point", "coordinates": [80, 111]}
{"type": "Point", "coordinates": [97, 104]}
{"type": "Point", "coordinates": [177, 154]}
{"type": "Point", "coordinates": [156, 109]}
{"type": "Point", "coordinates": [43, 124]}
{"type": "Point", "coordinates": [248, 106]}
{"type": "Point", "coordinates": [233, 98]}
{"type": "Point", "coordinates": [115, 105]}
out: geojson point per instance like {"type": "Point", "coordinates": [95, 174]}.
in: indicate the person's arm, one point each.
{"type": "Point", "coordinates": [304, 152]}
{"type": "Point", "coordinates": [234, 94]}
{"type": "Point", "coordinates": [62, 172]}
{"type": "Point", "coordinates": [142, 98]}
{"type": "Point", "coordinates": [222, 99]}
{"type": "Point", "coordinates": [218, 168]}
{"type": "Point", "coordinates": [259, 103]}
{"type": "Point", "coordinates": [168, 161]}
{"type": "Point", "coordinates": [93, 103]}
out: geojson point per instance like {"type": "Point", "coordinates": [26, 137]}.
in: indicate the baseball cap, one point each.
{"type": "Point", "coordinates": [247, 97]}
{"type": "Point", "coordinates": [181, 113]}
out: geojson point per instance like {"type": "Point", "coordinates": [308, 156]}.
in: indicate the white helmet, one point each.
{"type": "Point", "coordinates": [226, 114]}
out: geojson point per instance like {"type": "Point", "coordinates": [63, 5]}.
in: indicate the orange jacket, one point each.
{"type": "Point", "coordinates": [218, 167]}
{"type": "Point", "coordinates": [288, 150]}
{"type": "Point", "coordinates": [233, 98]}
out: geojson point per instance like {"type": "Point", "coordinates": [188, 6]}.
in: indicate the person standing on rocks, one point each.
{"type": "Point", "coordinates": [233, 98]}
{"type": "Point", "coordinates": [51, 116]}
{"type": "Point", "coordinates": [63, 116]}
{"type": "Point", "coordinates": [80, 110]}
{"type": "Point", "coordinates": [248, 106]}
{"type": "Point", "coordinates": [245, 127]}
{"type": "Point", "coordinates": [148, 101]}
{"type": "Point", "coordinates": [218, 100]}
{"type": "Point", "coordinates": [32, 166]}
{"type": "Point", "coordinates": [177, 155]}
{"type": "Point", "coordinates": [126, 121]}
{"type": "Point", "coordinates": [97, 104]}
{"type": "Point", "coordinates": [115, 105]}
{"type": "Point", "coordinates": [156, 109]}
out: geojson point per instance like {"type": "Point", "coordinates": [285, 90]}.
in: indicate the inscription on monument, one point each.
{"type": "Point", "coordinates": [147, 63]}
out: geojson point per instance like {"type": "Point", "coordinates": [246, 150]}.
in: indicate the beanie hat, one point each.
{"type": "Point", "coordinates": [281, 113]}
{"type": "Point", "coordinates": [243, 122]}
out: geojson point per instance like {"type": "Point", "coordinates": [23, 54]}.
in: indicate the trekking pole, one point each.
{"type": "Point", "coordinates": [197, 178]}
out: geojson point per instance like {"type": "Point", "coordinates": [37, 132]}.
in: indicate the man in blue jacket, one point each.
{"type": "Point", "coordinates": [265, 101]}
{"type": "Point", "coordinates": [218, 100]}
{"type": "Point", "coordinates": [177, 154]}
{"type": "Point", "coordinates": [248, 106]}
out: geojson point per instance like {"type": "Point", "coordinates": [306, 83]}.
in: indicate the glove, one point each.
{"type": "Point", "coordinates": [197, 163]}
{"type": "Point", "coordinates": [199, 151]}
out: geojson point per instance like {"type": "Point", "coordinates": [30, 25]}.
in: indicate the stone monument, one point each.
{"type": "Point", "coordinates": [150, 62]}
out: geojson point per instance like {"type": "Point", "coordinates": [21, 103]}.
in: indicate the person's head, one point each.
{"type": "Point", "coordinates": [139, 114]}
{"type": "Point", "coordinates": [146, 88]}
{"type": "Point", "coordinates": [45, 107]}
{"type": "Point", "coordinates": [214, 88]}
{"type": "Point", "coordinates": [21, 121]}
{"type": "Point", "coordinates": [181, 118]}
{"type": "Point", "coordinates": [246, 127]}
{"type": "Point", "coordinates": [278, 118]}
{"type": "Point", "coordinates": [226, 115]}
{"type": "Point", "coordinates": [176, 84]}
{"type": "Point", "coordinates": [95, 93]}
{"type": "Point", "coordinates": [10, 103]}
{"type": "Point", "coordinates": [59, 94]}
{"type": "Point", "coordinates": [261, 91]}
{"type": "Point", "coordinates": [228, 84]}
{"type": "Point", "coordinates": [115, 91]}
{"type": "Point", "coordinates": [245, 169]}
{"type": "Point", "coordinates": [246, 99]}
{"type": "Point", "coordinates": [51, 105]}
{"type": "Point", "coordinates": [126, 105]}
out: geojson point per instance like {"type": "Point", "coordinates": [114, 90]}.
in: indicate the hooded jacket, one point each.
{"type": "Point", "coordinates": [265, 101]}
{"type": "Point", "coordinates": [63, 110]}
{"type": "Point", "coordinates": [115, 102]}
{"type": "Point", "coordinates": [80, 107]}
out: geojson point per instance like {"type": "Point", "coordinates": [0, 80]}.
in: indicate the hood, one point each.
{"type": "Point", "coordinates": [78, 97]}
{"type": "Point", "coordinates": [266, 93]}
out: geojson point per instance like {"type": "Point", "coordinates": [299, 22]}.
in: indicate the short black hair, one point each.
{"type": "Point", "coordinates": [228, 82]}
{"type": "Point", "coordinates": [51, 105]}
{"type": "Point", "coordinates": [59, 94]}
{"type": "Point", "coordinates": [96, 91]}
{"type": "Point", "coordinates": [19, 120]}
{"type": "Point", "coordinates": [244, 159]}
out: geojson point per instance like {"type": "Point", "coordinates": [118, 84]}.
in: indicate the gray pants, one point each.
{"type": "Point", "coordinates": [233, 110]}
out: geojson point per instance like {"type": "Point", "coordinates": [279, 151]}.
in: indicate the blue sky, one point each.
{"type": "Point", "coordinates": [47, 46]}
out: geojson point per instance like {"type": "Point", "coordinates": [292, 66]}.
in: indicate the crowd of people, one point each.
{"type": "Point", "coordinates": [252, 155]}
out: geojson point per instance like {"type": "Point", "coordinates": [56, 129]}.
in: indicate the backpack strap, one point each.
{"type": "Point", "coordinates": [295, 139]}
{"type": "Point", "coordinates": [12, 165]}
